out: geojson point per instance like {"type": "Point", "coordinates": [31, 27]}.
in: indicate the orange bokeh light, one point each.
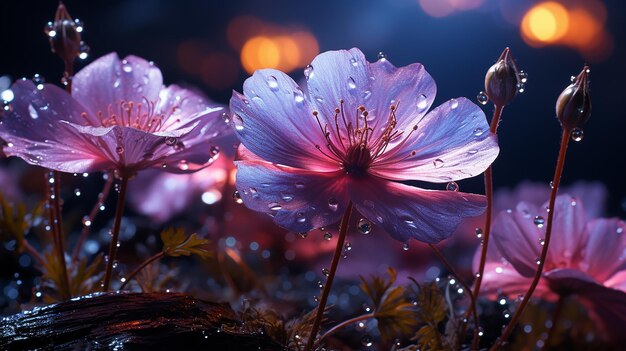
{"type": "Point", "coordinates": [259, 52]}
{"type": "Point", "coordinates": [282, 52]}
{"type": "Point", "coordinates": [545, 23]}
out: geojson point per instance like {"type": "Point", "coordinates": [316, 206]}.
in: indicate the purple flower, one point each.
{"type": "Point", "coordinates": [119, 117]}
{"type": "Point", "coordinates": [585, 257]}
{"type": "Point", "coordinates": [360, 129]}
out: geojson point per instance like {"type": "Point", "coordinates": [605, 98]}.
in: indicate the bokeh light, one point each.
{"type": "Point", "coordinates": [546, 22]}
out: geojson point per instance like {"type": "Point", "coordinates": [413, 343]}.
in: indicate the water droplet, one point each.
{"type": "Point", "coordinates": [238, 121]}
{"type": "Point", "coordinates": [32, 112]}
{"type": "Point", "coordinates": [422, 103]}
{"type": "Point", "coordinates": [405, 246]}
{"type": "Point", "coordinates": [537, 260]}
{"type": "Point", "coordinates": [316, 299]}
{"type": "Point", "coordinates": [299, 185]}
{"type": "Point", "coordinates": [438, 163]}
{"type": "Point", "coordinates": [77, 192]}
{"type": "Point", "coordinates": [523, 76]}
{"type": "Point", "coordinates": [479, 132]}
{"type": "Point", "coordinates": [328, 236]}
{"type": "Point", "coordinates": [237, 197]}
{"type": "Point", "coordinates": [347, 246]}
{"type": "Point", "coordinates": [366, 340]}
{"type": "Point", "coordinates": [572, 79]}
{"type": "Point", "coordinates": [287, 197]}
{"type": "Point", "coordinates": [454, 104]}
{"type": "Point", "coordinates": [482, 98]}
{"type": "Point", "coordinates": [308, 71]}
{"type": "Point", "coordinates": [171, 141]}
{"type": "Point", "coordinates": [86, 221]}
{"type": "Point", "coordinates": [479, 233]}
{"type": "Point", "coordinates": [119, 150]}
{"type": "Point", "coordinates": [83, 51]}
{"type": "Point", "coordinates": [300, 217]}
{"type": "Point", "coordinates": [333, 204]}
{"type": "Point", "coordinates": [274, 207]}
{"type": "Point", "coordinates": [325, 272]}
{"type": "Point", "coordinates": [126, 67]}
{"type": "Point", "coordinates": [272, 82]}
{"type": "Point", "coordinates": [452, 186]}
{"type": "Point", "coordinates": [298, 96]}
{"type": "Point", "coordinates": [351, 84]}
{"type": "Point", "coordinates": [303, 235]}
{"type": "Point", "coordinates": [382, 56]}
{"type": "Point", "coordinates": [364, 226]}
{"type": "Point", "coordinates": [577, 134]}
{"type": "Point", "coordinates": [539, 221]}
{"type": "Point", "coordinates": [38, 80]}
{"type": "Point", "coordinates": [354, 62]}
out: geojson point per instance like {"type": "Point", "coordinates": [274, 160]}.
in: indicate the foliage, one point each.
{"type": "Point", "coordinates": [392, 310]}
{"type": "Point", "coordinates": [83, 277]}
{"type": "Point", "coordinates": [430, 314]}
{"type": "Point", "coordinates": [176, 243]}
{"type": "Point", "coordinates": [16, 221]}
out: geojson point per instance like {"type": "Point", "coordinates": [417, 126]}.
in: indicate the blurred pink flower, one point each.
{"type": "Point", "coordinates": [584, 252]}
{"type": "Point", "coordinates": [360, 130]}
{"type": "Point", "coordinates": [119, 117]}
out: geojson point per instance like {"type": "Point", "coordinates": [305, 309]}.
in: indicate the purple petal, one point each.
{"type": "Point", "coordinates": [408, 212]}
{"type": "Point", "coordinates": [518, 238]}
{"type": "Point", "coordinates": [567, 232]}
{"type": "Point", "coordinates": [274, 120]}
{"type": "Point", "coordinates": [605, 249]}
{"type": "Point", "coordinates": [410, 88]}
{"type": "Point", "coordinates": [452, 142]}
{"type": "Point", "coordinates": [183, 106]}
{"type": "Point", "coordinates": [299, 200]}
{"type": "Point", "coordinates": [107, 81]}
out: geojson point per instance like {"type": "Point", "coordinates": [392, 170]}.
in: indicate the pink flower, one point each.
{"type": "Point", "coordinates": [585, 257]}
{"type": "Point", "coordinates": [360, 129]}
{"type": "Point", "coordinates": [119, 116]}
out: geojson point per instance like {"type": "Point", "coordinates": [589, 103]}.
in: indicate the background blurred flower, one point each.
{"type": "Point", "coordinates": [584, 251]}
{"type": "Point", "coordinates": [119, 116]}
{"type": "Point", "coordinates": [305, 157]}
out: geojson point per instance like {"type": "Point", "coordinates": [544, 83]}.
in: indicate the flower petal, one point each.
{"type": "Point", "coordinates": [299, 200]}
{"type": "Point", "coordinates": [408, 212]}
{"type": "Point", "coordinates": [605, 249]}
{"type": "Point", "coordinates": [32, 130]}
{"type": "Point", "coordinates": [518, 238]}
{"type": "Point", "coordinates": [567, 231]}
{"type": "Point", "coordinates": [274, 120]}
{"type": "Point", "coordinates": [108, 81]}
{"type": "Point", "coordinates": [410, 88]}
{"type": "Point", "coordinates": [183, 106]}
{"type": "Point", "coordinates": [451, 142]}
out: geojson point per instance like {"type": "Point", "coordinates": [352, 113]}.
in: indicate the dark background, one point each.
{"type": "Point", "coordinates": [456, 50]}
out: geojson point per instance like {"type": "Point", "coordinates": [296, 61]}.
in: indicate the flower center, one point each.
{"type": "Point", "coordinates": [353, 143]}
{"type": "Point", "coordinates": [139, 115]}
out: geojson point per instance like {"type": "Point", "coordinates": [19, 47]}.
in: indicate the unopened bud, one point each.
{"type": "Point", "coordinates": [502, 80]}
{"type": "Point", "coordinates": [573, 107]}
{"type": "Point", "coordinates": [65, 35]}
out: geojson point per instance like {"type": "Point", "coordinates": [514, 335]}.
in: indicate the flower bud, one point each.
{"type": "Point", "coordinates": [65, 35]}
{"type": "Point", "coordinates": [573, 107]}
{"type": "Point", "coordinates": [502, 80]}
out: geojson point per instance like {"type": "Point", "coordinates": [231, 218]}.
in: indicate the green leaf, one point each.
{"type": "Point", "coordinates": [430, 313]}
{"type": "Point", "coordinates": [176, 243]}
{"type": "Point", "coordinates": [393, 312]}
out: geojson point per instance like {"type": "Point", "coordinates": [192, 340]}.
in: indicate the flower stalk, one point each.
{"type": "Point", "coordinates": [544, 251]}
{"type": "Point", "coordinates": [343, 230]}
{"type": "Point", "coordinates": [143, 265]}
{"type": "Point", "coordinates": [119, 210]}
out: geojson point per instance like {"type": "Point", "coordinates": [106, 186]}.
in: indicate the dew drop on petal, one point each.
{"type": "Point", "coordinates": [479, 233]}
{"type": "Point", "coordinates": [308, 70]}
{"type": "Point", "coordinates": [272, 82]}
{"type": "Point", "coordinates": [274, 207]}
{"type": "Point", "coordinates": [405, 246]}
{"type": "Point", "coordinates": [454, 104]}
{"type": "Point", "coordinates": [126, 67]}
{"type": "Point", "coordinates": [539, 221]}
{"type": "Point", "coordinates": [364, 226]}
{"type": "Point", "coordinates": [171, 141]}
{"type": "Point", "coordinates": [298, 96]}
{"type": "Point", "coordinates": [325, 272]}
{"type": "Point", "coordinates": [482, 98]}
{"type": "Point", "coordinates": [479, 132]}
{"type": "Point", "coordinates": [422, 103]}
{"type": "Point", "coordinates": [351, 83]}
{"type": "Point", "coordinates": [333, 204]}
{"type": "Point", "coordinates": [382, 56]}
{"type": "Point", "coordinates": [225, 117]}
{"type": "Point", "coordinates": [438, 163]}
{"type": "Point", "coordinates": [238, 121]}
{"type": "Point", "coordinates": [577, 134]}
{"type": "Point", "coordinates": [32, 112]}
{"type": "Point", "coordinates": [300, 217]}
{"type": "Point", "coordinates": [452, 186]}
{"type": "Point", "coordinates": [287, 197]}
{"type": "Point", "coordinates": [237, 197]}
{"type": "Point", "coordinates": [328, 236]}
{"type": "Point", "coordinates": [299, 185]}
{"type": "Point", "coordinates": [119, 150]}
{"type": "Point", "coordinates": [354, 62]}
